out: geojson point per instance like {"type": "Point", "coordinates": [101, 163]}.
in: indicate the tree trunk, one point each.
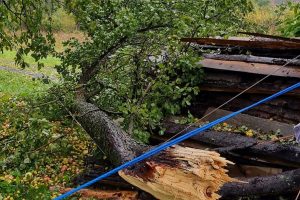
{"type": "Point", "coordinates": [116, 143]}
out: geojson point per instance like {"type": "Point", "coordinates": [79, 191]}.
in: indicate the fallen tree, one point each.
{"type": "Point", "coordinates": [120, 66]}
{"type": "Point", "coordinates": [188, 172]}
{"type": "Point", "coordinates": [177, 172]}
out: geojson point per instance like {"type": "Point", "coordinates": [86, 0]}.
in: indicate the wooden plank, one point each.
{"type": "Point", "coordinates": [105, 194]}
{"type": "Point", "coordinates": [253, 68]}
{"type": "Point", "coordinates": [210, 88]}
{"type": "Point", "coordinates": [246, 147]}
{"type": "Point", "coordinates": [252, 122]}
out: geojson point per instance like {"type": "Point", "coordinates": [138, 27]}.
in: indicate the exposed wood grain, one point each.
{"type": "Point", "coordinates": [196, 175]}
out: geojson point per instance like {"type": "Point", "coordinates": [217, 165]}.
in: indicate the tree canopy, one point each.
{"type": "Point", "coordinates": [131, 61]}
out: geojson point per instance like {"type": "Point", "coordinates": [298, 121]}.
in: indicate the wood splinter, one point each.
{"type": "Point", "coordinates": [181, 173]}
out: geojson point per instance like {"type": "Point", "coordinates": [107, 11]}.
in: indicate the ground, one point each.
{"type": "Point", "coordinates": [42, 147]}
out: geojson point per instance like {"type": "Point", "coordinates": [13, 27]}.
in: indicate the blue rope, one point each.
{"type": "Point", "coordinates": [173, 142]}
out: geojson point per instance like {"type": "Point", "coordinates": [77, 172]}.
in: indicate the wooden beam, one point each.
{"type": "Point", "coordinates": [252, 122]}
{"type": "Point", "coordinates": [261, 35]}
{"type": "Point", "coordinates": [287, 155]}
{"type": "Point", "coordinates": [253, 68]}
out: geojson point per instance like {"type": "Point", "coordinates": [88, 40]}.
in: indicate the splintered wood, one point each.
{"type": "Point", "coordinates": [181, 173]}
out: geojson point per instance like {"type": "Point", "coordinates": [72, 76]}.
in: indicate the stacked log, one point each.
{"type": "Point", "coordinates": [228, 73]}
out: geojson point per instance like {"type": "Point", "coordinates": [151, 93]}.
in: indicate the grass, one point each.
{"type": "Point", "coordinates": [7, 58]}
{"type": "Point", "coordinates": [13, 84]}
{"type": "Point", "coordinates": [263, 19]}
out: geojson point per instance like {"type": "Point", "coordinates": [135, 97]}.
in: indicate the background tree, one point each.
{"type": "Point", "coordinates": [290, 25]}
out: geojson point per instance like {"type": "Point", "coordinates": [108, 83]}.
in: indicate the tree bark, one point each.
{"type": "Point", "coordinates": [116, 143]}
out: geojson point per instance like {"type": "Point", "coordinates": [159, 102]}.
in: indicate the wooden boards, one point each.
{"type": "Point", "coordinates": [253, 68]}
{"type": "Point", "coordinates": [256, 123]}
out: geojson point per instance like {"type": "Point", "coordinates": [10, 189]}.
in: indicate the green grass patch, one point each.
{"type": "Point", "coordinates": [13, 84]}
{"type": "Point", "coordinates": [7, 59]}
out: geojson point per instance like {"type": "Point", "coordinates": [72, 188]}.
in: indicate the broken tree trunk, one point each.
{"type": "Point", "coordinates": [179, 172]}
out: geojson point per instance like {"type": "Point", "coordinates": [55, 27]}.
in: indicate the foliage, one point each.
{"type": "Point", "coordinates": [18, 85]}
{"type": "Point", "coordinates": [41, 146]}
{"type": "Point", "coordinates": [262, 3]}
{"type": "Point", "coordinates": [290, 26]}
{"type": "Point", "coordinates": [263, 20]}
{"type": "Point", "coordinates": [63, 21]}
{"type": "Point", "coordinates": [21, 27]}
{"type": "Point", "coordinates": [131, 61]}
{"type": "Point", "coordinates": [147, 74]}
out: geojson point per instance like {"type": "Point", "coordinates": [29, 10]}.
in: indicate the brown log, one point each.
{"type": "Point", "coordinates": [285, 54]}
{"type": "Point", "coordinates": [282, 183]}
{"type": "Point", "coordinates": [253, 59]}
{"type": "Point", "coordinates": [283, 109]}
{"type": "Point", "coordinates": [116, 143]}
{"type": "Point", "coordinates": [227, 81]}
